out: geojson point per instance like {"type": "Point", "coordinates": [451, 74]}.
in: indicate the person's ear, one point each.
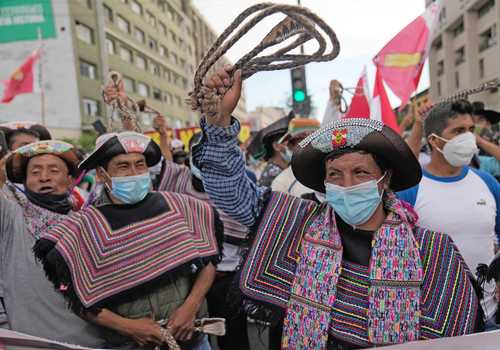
{"type": "Point", "coordinates": [278, 147]}
{"type": "Point", "coordinates": [102, 176]}
{"type": "Point", "coordinates": [434, 141]}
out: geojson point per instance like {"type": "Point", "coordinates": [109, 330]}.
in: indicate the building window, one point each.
{"type": "Point", "coordinates": [178, 100]}
{"type": "Point", "coordinates": [163, 51]}
{"type": "Point", "coordinates": [174, 37]}
{"type": "Point", "coordinates": [91, 107]}
{"type": "Point", "coordinates": [153, 45]}
{"type": "Point", "coordinates": [166, 74]}
{"type": "Point", "coordinates": [488, 38]}
{"type": "Point", "coordinates": [157, 94]}
{"type": "Point", "coordinates": [126, 54]}
{"type": "Point", "coordinates": [442, 15]}
{"type": "Point", "coordinates": [139, 35]}
{"type": "Point", "coordinates": [173, 58]}
{"type": "Point", "coordinates": [460, 56]}
{"type": "Point", "coordinates": [483, 10]}
{"type": "Point", "coordinates": [459, 28]}
{"type": "Point", "coordinates": [128, 84]}
{"type": "Point", "coordinates": [88, 70]}
{"type": "Point", "coordinates": [167, 97]}
{"type": "Point", "coordinates": [140, 62]}
{"type": "Point", "coordinates": [438, 43]}
{"type": "Point", "coordinates": [439, 88]}
{"type": "Point", "coordinates": [150, 18]}
{"type": "Point", "coordinates": [123, 24]}
{"type": "Point", "coordinates": [457, 80]}
{"type": "Point", "coordinates": [110, 44]}
{"type": "Point", "coordinates": [440, 68]}
{"type": "Point", "coordinates": [481, 68]}
{"type": "Point", "coordinates": [84, 33]}
{"type": "Point", "coordinates": [163, 28]}
{"type": "Point", "coordinates": [143, 89]}
{"type": "Point", "coordinates": [155, 69]}
{"type": "Point", "coordinates": [108, 13]}
{"type": "Point", "coordinates": [136, 7]}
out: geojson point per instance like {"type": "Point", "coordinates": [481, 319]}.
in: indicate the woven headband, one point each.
{"type": "Point", "coordinates": [300, 22]}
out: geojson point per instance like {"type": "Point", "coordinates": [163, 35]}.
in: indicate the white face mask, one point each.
{"type": "Point", "coordinates": [459, 150]}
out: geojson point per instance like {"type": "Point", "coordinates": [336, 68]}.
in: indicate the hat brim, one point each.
{"type": "Point", "coordinates": [308, 163]}
{"type": "Point", "coordinates": [112, 148]}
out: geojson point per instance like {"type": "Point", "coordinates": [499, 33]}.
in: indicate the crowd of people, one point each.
{"type": "Point", "coordinates": [336, 235]}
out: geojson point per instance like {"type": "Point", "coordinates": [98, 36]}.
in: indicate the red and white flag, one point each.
{"type": "Point", "coordinates": [402, 59]}
{"type": "Point", "coordinates": [22, 81]}
{"type": "Point", "coordinates": [381, 107]}
{"type": "Point", "coordinates": [360, 103]}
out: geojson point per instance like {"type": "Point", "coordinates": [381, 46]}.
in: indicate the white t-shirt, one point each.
{"type": "Point", "coordinates": [465, 207]}
{"type": "Point", "coordinates": [287, 183]}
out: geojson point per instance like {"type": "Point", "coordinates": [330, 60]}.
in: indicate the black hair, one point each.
{"type": "Point", "coordinates": [268, 144]}
{"type": "Point", "coordinates": [438, 117]}
{"type": "Point", "coordinates": [42, 131]}
{"type": "Point", "coordinates": [10, 136]}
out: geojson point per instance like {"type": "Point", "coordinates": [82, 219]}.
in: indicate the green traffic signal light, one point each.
{"type": "Point", "coordinates": [299, 95]}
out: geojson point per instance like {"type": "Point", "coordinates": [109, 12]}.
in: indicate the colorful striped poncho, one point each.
{"type": "Point", "coordinates": [448, 303]}
{"type": "Point", "coordinates": [94, 265]}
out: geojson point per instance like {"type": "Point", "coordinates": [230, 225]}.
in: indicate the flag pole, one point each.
{"type": "Point", "coordinates": [40, 75]}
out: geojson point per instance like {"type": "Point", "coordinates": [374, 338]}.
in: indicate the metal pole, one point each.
{"type": "Point", "coordinates": [40, 77]}
{"type": "Point", "coordinates": [301, 46]}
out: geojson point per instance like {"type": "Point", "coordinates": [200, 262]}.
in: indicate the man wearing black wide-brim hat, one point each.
{"type": "Point", "coordinates": [356, 271]}
{"type": "Point", "coordinates": [135, 259]}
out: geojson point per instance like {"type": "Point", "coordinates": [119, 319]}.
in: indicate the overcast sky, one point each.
{"type": "Point", "coordinates": [363, 27]}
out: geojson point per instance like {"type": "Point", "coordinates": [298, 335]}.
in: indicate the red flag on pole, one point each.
{"type": "Point", "coordinates": [400, 62]}
{"type": "Point", "coordinates": [381, 107]}
{"type": "Point", "coordinates": [22, 80]}
{"type": "Point", "coordinates": [360, 103]}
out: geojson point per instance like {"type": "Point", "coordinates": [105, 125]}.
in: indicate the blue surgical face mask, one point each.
{"type": "Point", "coordinates": [131, 189]}
{"type": "Point", "coordinates": [287, 155]}
{"type": "Point", "coordinates": [355, 204]}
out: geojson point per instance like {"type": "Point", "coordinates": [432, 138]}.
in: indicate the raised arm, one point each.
{"type": "Point", "coordinates": [220, 160]}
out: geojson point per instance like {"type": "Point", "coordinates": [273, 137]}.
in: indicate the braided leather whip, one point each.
{"type": "Point", "coordinates": [464, 94]}
{"type": "Point", "coordinates": [300, 23]}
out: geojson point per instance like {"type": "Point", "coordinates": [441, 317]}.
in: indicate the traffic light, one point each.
{"type": "Point", "coordinates": [300, 99]}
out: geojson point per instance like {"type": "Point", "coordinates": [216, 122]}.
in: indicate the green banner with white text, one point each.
{"type": "Point", "coordinates": [24, 19]}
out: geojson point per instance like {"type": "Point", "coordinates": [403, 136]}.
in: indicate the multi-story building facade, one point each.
{"type": "Point", "coordinates": [204, 36]}
{"type": "Point", "coordinates": [465, 51]}
{"type": "Point", "coordinates": [152, 43]}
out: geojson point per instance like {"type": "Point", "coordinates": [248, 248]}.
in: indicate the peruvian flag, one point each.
{"type": "Point", "coordinates": [381, 107]}
{"type": "Point", "coordinates": [22, 80]}
{"type": "Point", "coordinates": [360, 103]}
{"type": "Point", "coordinates": [401, 61]}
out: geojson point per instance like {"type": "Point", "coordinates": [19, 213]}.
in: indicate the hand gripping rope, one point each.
{"type": "Point", "coordinates": [300, 23]}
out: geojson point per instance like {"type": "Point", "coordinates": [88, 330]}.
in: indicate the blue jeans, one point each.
{"type": "Point", "coordinates": [203, 344]}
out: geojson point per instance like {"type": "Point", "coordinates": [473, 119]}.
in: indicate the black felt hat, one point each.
{"type": "Point", "coordinates": [113, 144]}
{"type": "Point", "coordinates": [261, 145]}
{"type": "Point", "coordinates": [371, 136]}
{"type": "Point", "coordinates": [492, 116]}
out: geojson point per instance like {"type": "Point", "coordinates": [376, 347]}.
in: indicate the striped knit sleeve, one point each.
{"type": "Point", "coordinates": [174, 177]}
{"type": "Point", "coordinates": [224, 175]}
